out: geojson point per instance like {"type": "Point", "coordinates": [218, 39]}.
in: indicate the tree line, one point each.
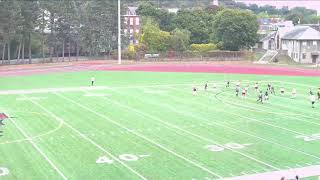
{"type": "Point", "coordinates": [57, 29]}
{"type": "Point", "coordinates": [197, 30]}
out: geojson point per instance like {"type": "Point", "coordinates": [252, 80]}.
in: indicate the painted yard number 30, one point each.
{"type": "Point", "coordinates": [312, 137]}
{"type": "Point", "coordinates": [216, 148]}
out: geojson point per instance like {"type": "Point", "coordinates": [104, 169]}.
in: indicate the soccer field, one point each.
{"type": "Point", "coordinates": [148, 125]}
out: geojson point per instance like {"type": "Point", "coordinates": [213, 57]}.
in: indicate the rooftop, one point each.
{"type": "Point", "coordinates": [303, 33]}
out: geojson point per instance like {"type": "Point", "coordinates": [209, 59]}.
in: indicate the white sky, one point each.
{"type": "Point", "coordinates": [310, 4]}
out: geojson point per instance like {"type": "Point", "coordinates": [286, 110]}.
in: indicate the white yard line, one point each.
{"type": "Point", "coordinates": [302, 172]}
{"type": "Point", "coordinates": [140, 136]}
{"type": "Point", "coordinates": [190, 133]}
{"type": "Point", "coordinates": [289, 115]}
{"type": "Point", "coordinates": [245, 117]}
{"type": "Point", "coordinates": [88, 139]}
{"type": "Point", "coordinates": [240, 131]}
{"type": "Point", "coordinates": [39, 150]}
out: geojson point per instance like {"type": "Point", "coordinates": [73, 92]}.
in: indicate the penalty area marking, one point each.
{"type": "Point", "coordinates": [302, 172]}
{"type": "Point", "coordinates": [36, 136]}
{"type": "Point", "coordinates": [4, 171]}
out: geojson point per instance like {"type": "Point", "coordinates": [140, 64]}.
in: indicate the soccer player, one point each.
{"type": "Point", "coordinates": [238, 84]}
{"type": "Point", "coordinates": [246, 90]}
{"type": "Point", "coordinates": [206, 86]}
{"type": "Point", "coordinates": [228, 83]}
{"type": "Point", "coordinates": [214, 85]}
{"type": "Point", "coordinates": [269, 87]}
{"type": "Point", "coordinates": [194, 91]}
{"type": "Point", "coordinates": [313, 100]}
{"type": "Point", "coordinates": [244, 93]}
{"type": "Point", "coordinates": [272, 90]}
{"type": "Point", "coordinates": [282, 91]}
{"type": "Point", "coordinates": [93, 79]}
{"type": "Point", "coordinates": [318, 94]}
{"type": "Point", "coordinates": [310, 91]}
{"type": "Point", "coordinates": [237, 91]}
{"type": "Point", "coordinates": [294, 93]}
{"type": "Point", "coordinates": [260, 97]}
{"type": "Point", "coordinates": [256, 87]}
{"type": "Point", "coordinates": [266, 96]}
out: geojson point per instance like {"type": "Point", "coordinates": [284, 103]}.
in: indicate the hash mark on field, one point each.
{"type": "Point", "coordinates": [142, 156]}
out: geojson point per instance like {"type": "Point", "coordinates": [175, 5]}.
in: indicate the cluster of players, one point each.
{"type": "Point", "coordinates": [263, 96]}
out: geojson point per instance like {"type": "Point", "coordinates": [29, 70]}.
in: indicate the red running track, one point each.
{"type": "Point", "coordinates": [213, 68]}
{"type": "Point", "coordinates": [168, 67]}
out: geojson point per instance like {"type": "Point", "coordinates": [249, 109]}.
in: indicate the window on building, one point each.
{"type": "Point", "coordinates": [304, 55]}
{"type": "Point", "coordinates": [137, 21]}
{"type": "Point", "coordinates": [137, 30]}
{"type": "Point", "coordinates": [314, 43]}
{"type": "Point", "coordinates": [131, 21]}
{"type": "Point", "coordinates": [304, 43]}
{"type": "Point", "coordinates": [131, 31]}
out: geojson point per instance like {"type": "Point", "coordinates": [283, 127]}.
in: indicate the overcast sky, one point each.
{"type": "Point", "coordinates": [311, 4]}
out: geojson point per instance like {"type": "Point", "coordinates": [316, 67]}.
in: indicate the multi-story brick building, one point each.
{"type": "Point", "coordinates": [132, 23]}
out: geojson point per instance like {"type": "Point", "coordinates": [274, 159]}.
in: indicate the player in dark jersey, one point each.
{"type": "Point", "coordinates": [206, 86]}
{"type": "Point", "coordinates": [194, 91]}
{"type": "Point", "coordinates": [269, 87]}
{"type": "Point", "coordinates": [272, 90]}
{"type": "Point", "coordinates": [228, 84]}
{"type": "Point", "coordinates": [237, 91]}
{"type": "Point", "coordinates": [318, 94]}
{"type": "Point", "coordinates": [266, 96]}
{"type": "Point", "coordinates": [260, 97]}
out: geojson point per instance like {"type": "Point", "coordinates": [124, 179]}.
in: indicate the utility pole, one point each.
{"type": "Point", "coordinates": [119, 31]}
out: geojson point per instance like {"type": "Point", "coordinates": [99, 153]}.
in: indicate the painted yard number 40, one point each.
{"type": "Point", "coordinates": [123, 157]}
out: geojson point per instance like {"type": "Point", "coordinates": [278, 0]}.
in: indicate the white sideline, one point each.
{"type": "Point", "coordinates": [302, 172]}
{"type": "Point", "coordinates": [48, 90]}
{"type": "Point", "coordinates": [141, 136]}
{"type": "Point", "coordinates": [86, 138]}
{"type": "Point", "coordinates": [81, 88]}
{"type": "Point", "coordinates": [38, 149]}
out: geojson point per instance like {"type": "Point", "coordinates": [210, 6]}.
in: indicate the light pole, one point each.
{"type": "Point", "coordinates": [119, 31]}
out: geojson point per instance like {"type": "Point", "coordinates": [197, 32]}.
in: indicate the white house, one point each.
{"type": "Point", "coordinates": [302, 44]}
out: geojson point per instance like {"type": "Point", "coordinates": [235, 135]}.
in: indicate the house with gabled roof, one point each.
{"type": "Point", "coordinates": [302, 44]}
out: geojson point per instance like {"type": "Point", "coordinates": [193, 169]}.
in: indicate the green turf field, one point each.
{"type": "Point", "coordinates": [138, 125]}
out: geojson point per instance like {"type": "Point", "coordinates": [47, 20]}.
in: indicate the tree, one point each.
{"type": "Point", "coordinates": [161, 16]}
{"type": "Point", "coordinates": [154, 38]}
{"type": "Point", "coordinates": [180, 40]}
{"type": "Point", "coordinates": [235, 29]}
{"type": "Point", "coordinates": [197, 22]}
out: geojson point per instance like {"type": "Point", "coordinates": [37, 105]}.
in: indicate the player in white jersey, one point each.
{"type": "Point", "coordinates": [313, 100]}
{"type": "Point", "coordinates": [294, 93]}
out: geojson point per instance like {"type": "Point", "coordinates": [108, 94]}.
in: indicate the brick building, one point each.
{"type": "Point", "coordinates": [132, 23]}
